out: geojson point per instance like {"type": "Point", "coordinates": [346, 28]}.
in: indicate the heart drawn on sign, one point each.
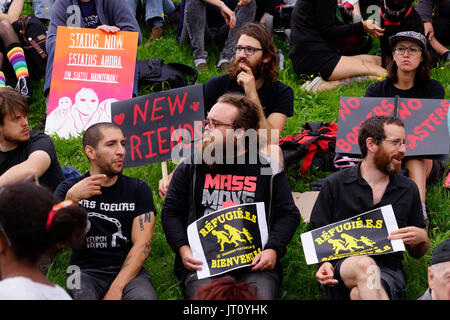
{"type": "Point", "coordinates": [118, 118]}
{"type": "Point", "coordinates": [195, 105]}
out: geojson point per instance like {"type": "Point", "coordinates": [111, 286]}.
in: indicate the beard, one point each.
{"type": "Point", "coordinates": [383, 162]}
{"type": "Point", "coordinates": [257, 68]}
{"type": "Point", "coordinates": [15, 140]}
{"type": "Point", "coordinates": [108, 169]}
{"type": "Point", "coordinates": [215, 152]}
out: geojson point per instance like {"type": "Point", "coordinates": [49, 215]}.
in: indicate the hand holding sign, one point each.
{"type": "Point", "coordinates": [228, 239]}
{"type": "Point", "coordinates": [365, 234]}
{"type": "Point", "coordinates": [188, 259]}
{"type": "Point", "coordinates": [409, 235]}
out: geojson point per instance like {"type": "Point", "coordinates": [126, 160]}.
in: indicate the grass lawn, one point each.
{"type": "Point", "coordinates": [299, 278]}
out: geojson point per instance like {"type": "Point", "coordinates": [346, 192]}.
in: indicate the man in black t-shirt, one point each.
{"type": "Point", "coordinates": [254, 73]}
{"type": "Point", "coordinates": [218, 182]}
{"type": "Point", "coordinates": [121, 216]}
{"type": "Point", "coordinates": [372, 184]}
{"type": "Point", "coordinates": [24, 154]}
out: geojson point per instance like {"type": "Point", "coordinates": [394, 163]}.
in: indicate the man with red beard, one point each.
{"type": "Point", "coordinates": [121, 217]}
{"type": "Point", "coordinates": [24, 153]}
{"type": "Point", "coordinates": [254, 73]}
{"type": "Point", "coordinates": [374, 183]}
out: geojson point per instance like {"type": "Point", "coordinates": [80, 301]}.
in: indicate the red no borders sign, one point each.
{"type": "Point", "coordinates": [154, 124]}
{"type": "Point", "coordinates": [426, 125]}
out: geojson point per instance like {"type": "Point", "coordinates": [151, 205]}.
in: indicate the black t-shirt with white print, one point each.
{"type": "Point", "coordinates": [111, 215]}
{"type": "Point", "coordinates": [89, 14]}
{"type": "Point", "coordinates": [4, 5]}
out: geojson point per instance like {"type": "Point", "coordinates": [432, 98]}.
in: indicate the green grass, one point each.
{"type": "Point", "coordinates": [299, 278]}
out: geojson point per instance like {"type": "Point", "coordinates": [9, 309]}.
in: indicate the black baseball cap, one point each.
{"type": "Point", "coordinates": [408, 36]}
{"type": "Point", "coordinates": [441, 253]}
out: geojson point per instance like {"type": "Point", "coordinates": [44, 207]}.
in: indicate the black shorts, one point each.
{"type": "Point", "coordinates": [393, 281]}
{"type": "Point", "coordinates": [315, 63]}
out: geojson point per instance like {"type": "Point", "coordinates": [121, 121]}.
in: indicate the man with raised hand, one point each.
{"type": "Point", "coordinates": [254, 72]}
{"type": "Point", "coordinates": [121, 216]}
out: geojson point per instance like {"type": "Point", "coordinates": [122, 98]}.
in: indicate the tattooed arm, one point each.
{"type": "Point", "coordinates": [141, 235]}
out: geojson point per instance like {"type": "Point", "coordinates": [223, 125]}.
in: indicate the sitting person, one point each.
{"type": "Point", "coordinates": [314, 50]}
{"type": "Point", "coordinates": [409, 77]}
{"type": "Point", "coordinates": [154, 15]}
{"type": "Point", "coordinates": [435, 15]}
{"type": "Point", "coordinates": [439, 273]}
{"type": "Point", "coordinates": [254, 73]}
{"type": "Point", "coordinates": [10, 46]}
{"type": "Point", "coordinates": [121, 221]}
{"type": "Point", "coordinates": [374, 183]}
{"type": "Point", "coordinates": [24, 153]}
{"type": "Point", "coordinates": [187, 201]}
{"type": "Point", "coordinates": [31, 224]}
{"type": "Point", "coordinates": [196, 26]}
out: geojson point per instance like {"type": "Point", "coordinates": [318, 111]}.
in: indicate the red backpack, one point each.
{"type": "Point", "coordinates": [315, 145]}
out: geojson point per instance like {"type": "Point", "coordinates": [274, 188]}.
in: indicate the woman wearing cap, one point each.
{"type": "Point", "coordinates": [409, 77]}
{"type": "Point", "coordinates": [314, 48]}
{"type": "Point", "coordinates": [30, 226]}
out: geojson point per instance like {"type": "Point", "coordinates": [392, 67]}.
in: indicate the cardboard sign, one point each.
{"type": "Point", "coordinates": [426, 124]}
{"type": "Point", "coordinates": [305, 203]}
{"type": "Point", "coordinates": [365, 234]}
{"type": "Point", "coordinates": [228, 239]}
{"type": "Point", "coordinates": [91, 69]}
{"type": "Point", "coordinates": [155, 124]}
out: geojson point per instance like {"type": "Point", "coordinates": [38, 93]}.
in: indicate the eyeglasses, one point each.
{"type": "Point", "coordinates": [413, 50]}
{"type": "Point", "coordinates": [213, 124]}
{"type": "Point", "coordinates": [248, 50]}
{"type": "Point", "coordinates": [396, 142]}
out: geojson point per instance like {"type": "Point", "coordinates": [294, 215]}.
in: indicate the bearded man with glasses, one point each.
{"type": "Point", "coordinates": [409, 77]}
{"type": "Point", "coordinates": [374, 183]}
{"type": "Point", "coordinates": [248, 176]}
{"type": "Point", "coordinates": [254, 73]}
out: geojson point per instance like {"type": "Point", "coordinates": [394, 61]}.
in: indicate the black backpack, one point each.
{"type": "Point", "coordinates": [158, 75]}
{"type": "Point", "coordinates": [32, 34]}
